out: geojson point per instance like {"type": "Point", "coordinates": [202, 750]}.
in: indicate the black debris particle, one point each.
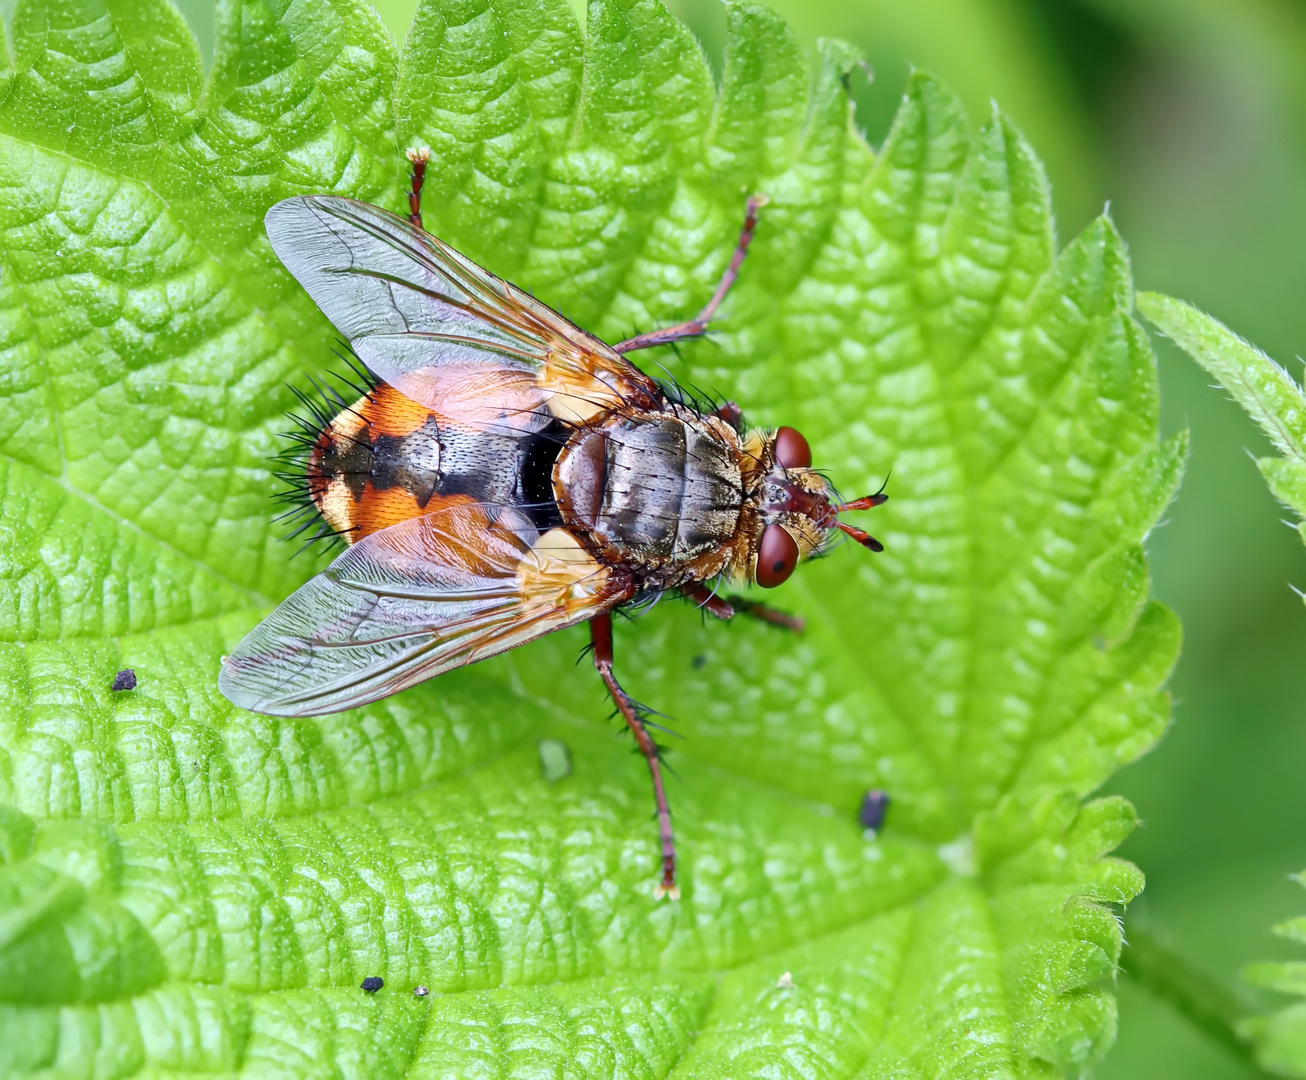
{"type": "Point", "coordinates": [870, 815]}
{"type": "Point", "coordinates": [124, 680]}
{"type": "Point", "coordinates": [698, 662]}
{"type": "Point", "coordinates": [555, 760]}
{"type": "Point", "coordinates": [373, 983]}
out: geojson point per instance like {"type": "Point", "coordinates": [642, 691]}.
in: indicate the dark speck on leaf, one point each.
{"type": "Point", "coordinates": [125, 680]}
{"type": "Point", "coordinates": [870, 815]}
{"type": "Point", "coordinates": [698, 661]}
{"type": "Point", "coordinates": [420, 991]}
{"type": "Point", "coordinates": [373, 983]}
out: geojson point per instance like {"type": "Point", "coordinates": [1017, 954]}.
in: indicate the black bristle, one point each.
{"type": "Point", "coordinates": [308, 524]}
{"type": "Point", "coordinates": [367, 381]}
{"type": "Point", "coordinates": [327, 396]}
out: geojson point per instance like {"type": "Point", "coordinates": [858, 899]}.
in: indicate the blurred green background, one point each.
{"type": "Point", "coordinates": [1187, 118]}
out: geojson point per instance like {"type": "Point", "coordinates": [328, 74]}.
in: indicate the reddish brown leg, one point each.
{"type": "Point", "coordinates": [419, 158]}
{"type": "Point", "coordinates": [697, 326]}
{"type": "Point", "coordinates": [601, 635]}
{"type": "Point", "coordinates": [727, 607]}
{"type": "Point", "coordinates": [713, 605]}
{"type": "Point", "coordinates": [768, 614]}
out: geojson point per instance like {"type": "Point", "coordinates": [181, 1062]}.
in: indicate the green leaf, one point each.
{"type": "Point", "coordinates": [187, 887]}
{"type": "Point", "coordinates": [1280, 1037]}
{"type": "Point", "coordinates": [1269, 394]}
{"type": "Point", "coordinates": [1278, 404]}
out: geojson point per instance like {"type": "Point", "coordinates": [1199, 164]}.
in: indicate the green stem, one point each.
{"type": "Point", "coordinates": [1205, 1002]}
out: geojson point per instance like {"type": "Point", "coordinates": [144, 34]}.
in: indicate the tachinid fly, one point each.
{"type": "Point", "coordinates": [506, 474]}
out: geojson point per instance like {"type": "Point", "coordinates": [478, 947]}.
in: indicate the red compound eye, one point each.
{"type": "Point", "coordinates": [791, 449]}
{"type": "Point", "coordinates": [776, 556]}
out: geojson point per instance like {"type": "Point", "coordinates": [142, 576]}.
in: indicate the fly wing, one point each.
{"type": "Point", "coordinates": [433, 324]}
{"type": "Point", "coordinates": [414, 600]}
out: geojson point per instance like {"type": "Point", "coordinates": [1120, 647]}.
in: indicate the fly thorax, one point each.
{"type": "Point", "coordinates": [651, 488]}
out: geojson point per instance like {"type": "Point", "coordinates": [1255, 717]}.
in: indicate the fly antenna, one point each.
{"type": "Point", "coordinates": [863, 538]}
{"type": "Point", "coordinates": [868, 502]}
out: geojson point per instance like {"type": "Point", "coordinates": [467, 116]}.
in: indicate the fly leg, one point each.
{"type": "Point", "coordinates": [709, 602]}
{"type": "Point", "coordinates": [418, 158]}
{"type": "Point", "coordinates": [601, 636]}
{"type": "Point", "coordinates": [768, 614]}
{"type": "Point", "coordinates": [697, 326]}
{"type": "Point", "coordinates": [727, 607]}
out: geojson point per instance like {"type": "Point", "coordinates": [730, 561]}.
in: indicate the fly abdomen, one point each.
{"type": "Point", "coordinates": [386, 459]}
{"type": "Point", "coordinates": [411, 462]}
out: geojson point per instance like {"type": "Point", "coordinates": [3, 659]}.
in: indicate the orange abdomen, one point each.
{"type": "Point", "coordinates": [386, 458]}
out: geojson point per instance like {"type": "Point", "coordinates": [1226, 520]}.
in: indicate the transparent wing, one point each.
{"type": "Point", "coordinates": [414, 600]}
{"type": "Point", "coordinates": [423, 317]}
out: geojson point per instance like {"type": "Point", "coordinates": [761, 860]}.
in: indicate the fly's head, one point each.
{"type": "Point", "coordinates": [798, 508]}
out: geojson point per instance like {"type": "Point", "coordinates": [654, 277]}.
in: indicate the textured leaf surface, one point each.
{"type": "Point", "coordinates": [187, 888]}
